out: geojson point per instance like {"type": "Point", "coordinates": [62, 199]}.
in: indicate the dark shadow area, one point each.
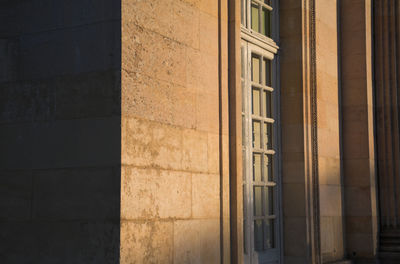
{"type": "Point", "coordinates": [60, 132]}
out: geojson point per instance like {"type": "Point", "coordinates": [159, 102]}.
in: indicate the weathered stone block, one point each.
{"type": "Point", "coordinates": [88, 95]}
{"type": "Point", "coordinates": [213, 153]}
{"type": "Point", "coordinates": [207, 112]}
{"type": "Point", "coordinates": [149, 193]}
{"type": "Point", "coordinates": [43, 15]}
{"type": "Point", "coordinates": [186, 24]}
{"type": "Point", "coordinates": [146, 143]}
{"type": "Point", "coordinates": [196, 241]}
{"type": "Point", "coordinates": [294, 200]}
{"type": "Point", "coordinates": [194, 151]}
{"type": "Point", "coordinates": [332, 238]}
{"type": "Point", "coordinates": [330, 200]}
{"type": "Point", "coordinates": [360, 198]}
{"type": "Point", "coordinates": [60, 144]}
{"type": "Point", "coordinates": [146, 242]}
{"type": "Point", "coordinates": [15, 195]}
{"type": "Point", "coordinates": [205, 195]}
{"type": "Point", "coordinates": [208, 34]}
{"type": "Point", "coordinates": [60, 242]}
{"type": "Point", "coordinates": [8, 58]}
{"type": "Point", "coordinates": [328, 143]}
{"type": "Point", "coordinates": [207, 6]}
{"type": "Point", "coordinates": [73, 194]}
{"type": "Point", "coordinates": [158, 100]}
{"type": "Point", "coordinates": [80, 49]}
{"type": "Point", "coordinates": [295, 228]}
{"type": "Point", "coordinates": [153, 55]}
{"type": "Point", "coordinates": [27, 101]}
{"type": "Point", "coordinates": [329, 171]}
{"type": "Point", "coordinates": [201, 72]}
{"type": "Point", "coordinates": [152, 15]}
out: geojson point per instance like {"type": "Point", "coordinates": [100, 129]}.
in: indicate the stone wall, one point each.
{"type": "Point", "coordinates": [329, 163]}
{"type": "Point", "coordinates": [387, 90]}
{"type": "Point", "coordinates": [170, 193]}
{"type": "Point", "coordinates": [359, 166]}
{"type": "Point", "coordinates": [59, 131]}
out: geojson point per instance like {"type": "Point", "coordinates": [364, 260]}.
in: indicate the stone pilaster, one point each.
{"type": "Point", "coordinates": [358, 146]}
{"type": "Point", "coordinates": [387, 94]}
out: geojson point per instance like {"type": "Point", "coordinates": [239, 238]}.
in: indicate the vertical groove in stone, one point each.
{"type": "Point", "coordinates": [381, 111]}
{"type": "Point", "coordinates": [387, 83]}
{"type": "Point", "coordinates": [314, 135]}
{"type": "Point", "coordinates": [387, 114]}
{"type": "Point", "coordinates": [394, 112]}
{"type": "Point", "coordinates": [397, 83]}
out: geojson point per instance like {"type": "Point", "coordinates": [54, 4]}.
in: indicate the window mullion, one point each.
{"type": "Point", "coordinates": [250, 169]}
{"type": "Point", "coordinates": [260, 243]}
{"type": "Point", "coordinates": [259, 18]}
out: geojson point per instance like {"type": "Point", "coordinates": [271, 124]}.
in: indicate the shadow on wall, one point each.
{"type": "Point", "coordinates": [60, 131]}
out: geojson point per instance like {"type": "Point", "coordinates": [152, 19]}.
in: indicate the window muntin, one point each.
{"type": "Point", "coordinates": [259, 155]}
{"type": "Point", "coordinates": [256, 16]}
{"type": "Point", "coordinates": [259, 144]}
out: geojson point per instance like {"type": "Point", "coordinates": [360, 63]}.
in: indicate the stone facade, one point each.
{"type": "Point", "coordinates": [170, 183]}
{"type": "Point", "coordinates": [121, 131]}
{"type": "Point", "coordinates": [60, 131]}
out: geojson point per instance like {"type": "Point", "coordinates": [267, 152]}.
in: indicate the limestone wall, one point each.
{"type": "Point", "coordinates": [359, 166]}
{"type": "Point", "coordinates": [329, 163]}
{"type": "Point", "coordinates": [59, 131]}
{"type": "Point", "coordinates": [170, 183]}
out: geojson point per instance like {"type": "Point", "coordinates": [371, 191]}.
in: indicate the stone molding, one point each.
{"type": "Point", "coordinates": [311, 134]}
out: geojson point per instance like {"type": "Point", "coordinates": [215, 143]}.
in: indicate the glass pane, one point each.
{"type": "Point", "coordinates": [258, 235]}
{"type": "Point", "coordinates": [268, 73]}
{"type": "Point", "coordinates": [243, 131]}
{"type": "Point", "coordinates": [243, 61]}
{"type": "Point", "coordinates": [245, 236]}
{"type": "Point", "coordinates": [268, 168]}
{"type": "Point", "coordinates": [244, 165]}
{"type": "Point", "coordinates": [266, 22]}
{"type": "Point", "coordinates": [269, 200]}
{"type": "Point", "coordinates": [244, 200]}
{"type": "Point", "coordinates": [268, 104]}
{"type": "Point", "coordinates": [267, 135]}
{"type": "Point", "coordinates": [244, 216]}
{"type": "Point", "coordinates": [257, 167]}
{"type": "Point", "coordinates": [256, 102]}
{"type": "Point", "coordinates": [243, 12]}
{"type": "Point", "coordinates": [243, 98]}
{"type": "Point", "coordinates": [255, 69]}
{"type": "Point", "coordinates": [254, 18]}
{"type": "Point", "coordinates": [258, 207]}
{"type": "Point", "coordinates": [256, 134]}
{"type": "Point", "coordinates": [269, 234]}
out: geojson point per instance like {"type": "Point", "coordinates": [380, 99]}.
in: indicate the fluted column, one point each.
{"type": "Point", "coordinates": [387, 71]}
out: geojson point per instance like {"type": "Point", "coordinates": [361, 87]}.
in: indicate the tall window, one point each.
{"type": "Point", "coordinates": [260, 129]}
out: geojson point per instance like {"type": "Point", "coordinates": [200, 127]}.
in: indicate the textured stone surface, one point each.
{"type": "Point", "coordinates": [60, 242]}
{"type": "Point", "coordinates": [114, 155]}
{"type": "Point", "coordinates": [205, 196]}
{"type": "Point", "coordinates": [148, 194]}
{"type": "Point", "coordinates": [358, 132]}
{"type": "Point", "coordinates": [196, 241]}
{"type": "Point", "coordinates": [170, 132]}
{"type": "Point", "coordinates": [60, 131]}
{"type": "Point", "coordinates": [329, 169]}
{"type": "Point", "coordinates": [146, 242]}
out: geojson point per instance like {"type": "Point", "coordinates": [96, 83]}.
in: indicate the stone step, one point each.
{"type": "Point", "coordinates": [390, 248]}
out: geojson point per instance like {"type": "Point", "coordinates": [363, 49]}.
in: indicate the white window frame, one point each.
{"type": "Point", "coordinates": [255, 43]}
